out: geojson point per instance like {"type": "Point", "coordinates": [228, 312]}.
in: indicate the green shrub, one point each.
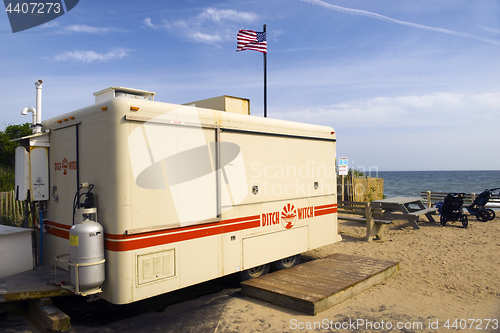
{"type": "Point", "coordinates": [7, 177]}
{"type": "Point", "coordinates": [8, 153]}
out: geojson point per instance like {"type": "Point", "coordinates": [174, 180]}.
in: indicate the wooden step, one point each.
{"type": "Point", "coordinates": [317, 285]}
{"type": "Point", "coordinates": [47, 316]}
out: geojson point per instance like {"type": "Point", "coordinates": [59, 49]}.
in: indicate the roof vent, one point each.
{"type": "Point", "coordinates": [112, 92]}
{"type": "Point", "coordinates": [224, 103]}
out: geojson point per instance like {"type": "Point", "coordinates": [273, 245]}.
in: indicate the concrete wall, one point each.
{"type": "Point", "coordinates": [15, 250]}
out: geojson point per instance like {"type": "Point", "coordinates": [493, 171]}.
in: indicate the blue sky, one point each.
{"type": "Point", "coordinates": [407, 85]}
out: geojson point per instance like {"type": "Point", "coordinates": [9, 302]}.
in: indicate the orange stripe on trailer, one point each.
{"type": "Point", "coordinates": [181, 229]}
{"type": "Point", "coordinates": [115, 242]}
{"type": "Point", "coordinates": [241, 219]}
{"type": "Point", "coordinates": [160, 232]}
{"type": "Point", "coordinates": [325, 206]}
{"type": "Point", "coordinates": [325, 211]}
{"type": "Point", "coordinates": [135, 244]}
{"type": "Point", "coordinates": [140, 243]}
{"type": "Point", "coordinates": [57, 225]}
{"type": "Point", "coordinates": [122, 242]}
{"type": "Point", "coordinates": [57, 232]}
{"type": "Point", "coordinates": [242, 226]}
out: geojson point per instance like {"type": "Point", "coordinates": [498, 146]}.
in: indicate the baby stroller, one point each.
{"type": "Point", "coordinates": [477, 207]}
{"type": "Point", "coordinates": [451, 209]}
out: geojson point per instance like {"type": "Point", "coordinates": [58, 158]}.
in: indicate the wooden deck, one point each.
{"type": "Point", "coordinates": [317, 285]}
{"type": "Point", "coordinates": [35, 283]}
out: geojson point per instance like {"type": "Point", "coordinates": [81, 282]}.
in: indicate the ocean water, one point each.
{"type": "Point", "coordinates": [411, 183]}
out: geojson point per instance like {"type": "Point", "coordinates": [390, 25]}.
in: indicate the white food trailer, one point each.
{"type": "Point", "coordinates": [174, 195]}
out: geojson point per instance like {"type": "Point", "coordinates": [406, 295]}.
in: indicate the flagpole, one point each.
{"type": "Point", "coordinates": [265, 79]}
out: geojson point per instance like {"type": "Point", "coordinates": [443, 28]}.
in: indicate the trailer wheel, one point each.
{"type": "Point", "coordinates": [287, 262]}
{"type": "Point", "coordinates": [491, 212]}
{"type": "Point", "coordinates": [254, 272]}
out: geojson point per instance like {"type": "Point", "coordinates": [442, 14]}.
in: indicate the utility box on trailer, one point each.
{"type": "Point", "coordinates": [32, 174]}
{"type": "Point", "coordinates": [186, 194]}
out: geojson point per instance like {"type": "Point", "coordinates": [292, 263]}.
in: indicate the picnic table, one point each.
{"type": "Point", "coordinates": [411, 207]}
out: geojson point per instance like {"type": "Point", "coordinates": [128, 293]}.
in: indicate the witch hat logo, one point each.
{"type": "Point", "coordinates": [25, 14]}
{"type": "Point", "coordinates": [288, 216]}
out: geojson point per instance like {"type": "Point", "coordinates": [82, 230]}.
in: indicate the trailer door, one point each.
{"type": "Point", "coordinates": [64, 171]}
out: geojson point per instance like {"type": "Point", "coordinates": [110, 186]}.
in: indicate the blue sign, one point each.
{"type": "Point", "coordinates": [343, 168]}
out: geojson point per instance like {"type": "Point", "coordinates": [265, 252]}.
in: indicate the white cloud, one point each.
{"type": "Point", "coordinates": [91, 56]}
{"type": "Point", "coordinates": [221, 23]}
{"type": "Point", "coordinates": [277, 33]}
{"type": "Point", "coordinates": [178, 24]}
{"type": "Point", "coordinates": [147, 22]}
{"type": "Point", "coordinates": [492, 30]}
{"type": "Point", "coordinates": [78, 28]}
{"type": "Point", "coordinates": [204, 38]}
{"type": "Point", "coordinates": [51, 24]}
{"type": "Point", "coordinates": [409, 111]}
{"type": "Point", "coordinates": [412, 132]}
{"type": "Point", "coordinates": [86, 29]}
{"type": "Point", "coordinates": [220, 15]}
{"type": "Point", "coordinates": [405, 23]}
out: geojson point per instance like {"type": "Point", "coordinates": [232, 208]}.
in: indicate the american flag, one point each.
{"type": "Point", "coordinates": [251, 40]}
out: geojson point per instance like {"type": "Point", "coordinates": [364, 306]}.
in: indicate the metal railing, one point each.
{"type": "Point", "coordinates": [432, 197]}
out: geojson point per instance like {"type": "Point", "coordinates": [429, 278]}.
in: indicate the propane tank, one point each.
{"type": "Point", "coordinates": [86, 240]}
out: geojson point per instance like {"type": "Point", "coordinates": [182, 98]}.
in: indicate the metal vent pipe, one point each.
{"type": "Point", "coordinates": [38, 124]}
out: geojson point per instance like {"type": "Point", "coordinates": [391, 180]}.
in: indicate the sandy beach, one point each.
{"type": "Point", "coordinates": [446, 274]}
{"type": "Point", "coordinates": [448, 282]}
